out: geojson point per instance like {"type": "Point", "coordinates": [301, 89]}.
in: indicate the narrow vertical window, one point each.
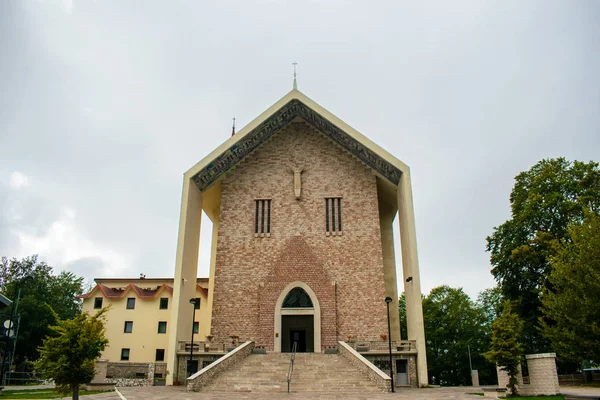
{"type": "Point", "coordinates": [327, 215]}
{"type": "Point", "coordinates": [256, 219]}
{"type": "Point", "coordinates": [333, 216]}
{"type": "Point", "coordinates": [262, 217]}
{"type": "Point", "coordinates": [268, 215]}
{"type": "Point", "coordinates": [339, 201]}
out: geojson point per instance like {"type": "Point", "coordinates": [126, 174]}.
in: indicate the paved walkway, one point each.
{"type": "Point", "coordinates": [179, 393]}
{"type": "Point", "coordinates": [170, 392]}
{"type": "Point", "coordinates": [580, 392]}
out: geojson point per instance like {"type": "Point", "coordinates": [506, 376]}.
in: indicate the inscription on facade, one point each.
{"type": "Point", "coordinates": [295, 108]}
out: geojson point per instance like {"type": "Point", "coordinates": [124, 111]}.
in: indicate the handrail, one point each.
{"type": "Point", "coordinates": [291, 367]}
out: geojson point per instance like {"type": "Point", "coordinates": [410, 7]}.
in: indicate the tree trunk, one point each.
{"type": "Point", "coordinates": [76, 391]}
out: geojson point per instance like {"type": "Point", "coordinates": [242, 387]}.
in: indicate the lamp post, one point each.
{"type": "Point", "coordinates": [11, 325]}
{"type": "Point", "coordinates": [191, 370]}
{"type": "Point", "coordinates": [388, 300]}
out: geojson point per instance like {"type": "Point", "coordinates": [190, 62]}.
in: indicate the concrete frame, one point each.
{"type": "Point", "coordinates": [316, 311]}
{"type": "Point", "coordinates": [188, 245]}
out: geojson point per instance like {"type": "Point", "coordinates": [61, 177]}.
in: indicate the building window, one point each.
{"type": "Point", "coordinates": [124, 354]}
{"type": "Point", "coordinates": [128, 327]}
{"type": "Point", "coordinates": [333, 215]}
{"type": "Point", "coordinates": [262, 218]}
{"type": "Point", "coordinates": [195, 326]}
{"type": "Point", "coordinates": [130, 303]}
{"type": "Point", "coordinates": [98, 303]}
{"type": "Point", "coordinates": [162, 327]}
{"type": "Point", "coordinates": [164, 303]}
{"type": "Point", "coordinates": [160, 356]}
{"type": "Point", "coordinates": [197, 303]}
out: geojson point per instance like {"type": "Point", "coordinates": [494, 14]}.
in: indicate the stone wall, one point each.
{"type": "Point", "coordinates": [543, 377]}
{"type": "Point", "coordinates": [181, 375]}
{"type": "Point", "coordinates": [412, 365]}
{"type": "Point", "coordinates": [205, 375]}
{"type": "Point", "coordinates": [125, 374]}
{"type": "Point", "coordinates": [251, 272]}
{"type": "Point", "coordinates": [365, 367]}
{"type": "Point", "coordinates": [503, 378]}
{"type": "Point", "coordinates": [127, 370]}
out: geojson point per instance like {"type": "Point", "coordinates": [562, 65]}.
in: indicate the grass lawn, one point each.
{"type": "Point", "coordinates": [39, 394]}
{"type": "Point", "coordinates": [556, 397]}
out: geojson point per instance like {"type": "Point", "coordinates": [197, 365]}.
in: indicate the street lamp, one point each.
{"type": "Point", "coordinates": [11, 326]}
{"type": "Point", "coordinates": [192, 368]}
{"type": "Point", "coordinates": [388, 300]}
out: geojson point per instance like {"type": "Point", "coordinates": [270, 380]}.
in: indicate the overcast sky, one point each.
{"type": "Point", "coordinates": [105, 104]}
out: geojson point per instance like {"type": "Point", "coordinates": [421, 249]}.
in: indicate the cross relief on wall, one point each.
{"type": "Point", "coordinates": [297, 170]}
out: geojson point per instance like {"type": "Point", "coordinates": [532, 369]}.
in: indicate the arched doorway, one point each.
{"type": "Point", "coordinates": [297, 319]}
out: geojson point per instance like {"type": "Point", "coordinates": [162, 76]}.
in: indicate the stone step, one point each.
{"type": "Point", "coordinates": [312, 373]}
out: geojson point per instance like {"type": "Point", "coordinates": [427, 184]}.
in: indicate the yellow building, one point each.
{"type": "Point", "coordinates": [137, 322]}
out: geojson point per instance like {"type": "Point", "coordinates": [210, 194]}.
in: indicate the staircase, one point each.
{"type": "Point", "coordinates": [312, 373]}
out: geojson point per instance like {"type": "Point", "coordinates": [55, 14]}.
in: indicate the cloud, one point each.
{"type": "Point", "coordinates": [18, 180]}
{"type": "Point", "coordinates": [68, 6]}
{"type": "Point", "coordinates": [64, 245]}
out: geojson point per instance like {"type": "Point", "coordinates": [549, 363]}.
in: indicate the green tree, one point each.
{"type": "Point", "coordinates": [490, 303]}
{"type": "Point", "coordinates": [69, 357]}
{"type": "Point", "coordinates": [42, 297]}
{"type": "Point", "coordinates": [571, 302]}
{"type": "Point", "coordinates": [544, 201]}
{"type": "Point", "coordinates": [453, 324]}
{"type": "Point", "coordinates": [403, 320]}
{"type": "Point", "coordinates": [506, 349]}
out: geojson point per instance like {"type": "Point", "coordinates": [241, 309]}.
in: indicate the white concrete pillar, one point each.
{"type": "Point", "coordinates": [410, 269]}
{"type": "Point", "coordinates": [186, 272]}
{"type": "Point", "coordinates": [387, 213]}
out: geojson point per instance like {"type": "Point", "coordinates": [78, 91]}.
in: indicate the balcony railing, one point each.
{"type": "Point", "coordinates": [381, 345]}
{"type": "Point", "coordinates": [200, 347]}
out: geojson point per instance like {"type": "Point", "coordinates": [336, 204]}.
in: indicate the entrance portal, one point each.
{"type": "Point", "coordinates": [297, 319]}
{"type": "Point", "coordinates": [299, 329]}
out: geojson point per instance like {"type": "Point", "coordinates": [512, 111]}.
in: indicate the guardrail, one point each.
{"type": "Point", "coordinates": [381, 345]}
{"type": "Point", "coordinates": [291, 367]}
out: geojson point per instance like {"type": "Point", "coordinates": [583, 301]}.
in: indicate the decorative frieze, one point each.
{"type": "Point", "coordinates": [282, 117]}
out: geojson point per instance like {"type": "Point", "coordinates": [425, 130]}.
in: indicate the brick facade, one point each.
{"type": "Point", "coordinates": [344, 271]}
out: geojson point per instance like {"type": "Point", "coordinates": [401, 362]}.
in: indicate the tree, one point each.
{"type": "Point", "coordinates": [490, 302]}
{"type": "Point", "coordinates": [453, 324]}
{"type": "Point", "coordinates": [69, 357]}
{"type": "Point", "coordinates": [506, 349]}
{"type": "Point", "coordinates": [42, 297]}
{"type": "Point", "coordinates": [544, 201]}
{"type": "Point", "coordinates": [403, 320]}
{"type": "Point", "coordinates": [571, 311]}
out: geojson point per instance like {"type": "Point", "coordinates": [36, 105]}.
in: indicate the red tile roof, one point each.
{"type": "Point", "coordinates": [117, 293]}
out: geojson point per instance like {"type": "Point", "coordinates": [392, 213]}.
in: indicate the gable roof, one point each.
{"type": "Point", "coordinates": [293, 105]}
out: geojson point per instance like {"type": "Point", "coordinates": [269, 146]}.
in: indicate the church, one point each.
{"type": "Point", "coordinates": [302, 252]}
{"type": "Point", "coordinates": [302, 259]}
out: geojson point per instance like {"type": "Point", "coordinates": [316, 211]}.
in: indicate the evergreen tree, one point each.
{"type": "Point", "coordinates": [506, 349]}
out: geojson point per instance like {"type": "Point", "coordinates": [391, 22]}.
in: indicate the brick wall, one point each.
{"type": "Point", "coordinates": [366, 367]}
{"type": "Point", "coordinates": [251, 272]}
{"type": "Point", "coordinates": [543, 377]}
